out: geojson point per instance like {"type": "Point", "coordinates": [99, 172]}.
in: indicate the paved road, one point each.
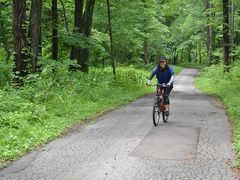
{"type": "Point", "coordinates": [123, 144]}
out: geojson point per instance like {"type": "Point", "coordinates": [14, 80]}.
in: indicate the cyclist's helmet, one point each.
{"type": "Point", "coordinates": [162, 59]}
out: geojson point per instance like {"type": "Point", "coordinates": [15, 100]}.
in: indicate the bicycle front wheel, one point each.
{"type": "Point", "coordinates": [165, 117]}
{"type": "Point", "coordinates": [156, 113]}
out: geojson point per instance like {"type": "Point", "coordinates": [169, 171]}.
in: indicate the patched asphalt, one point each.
{"type": "Point", "coordinates": [124, 144]}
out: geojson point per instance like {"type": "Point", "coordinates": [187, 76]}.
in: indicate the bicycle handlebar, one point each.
{"type": "Point", "coordinates": [161, 85]}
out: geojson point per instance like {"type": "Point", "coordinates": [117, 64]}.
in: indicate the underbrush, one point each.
{"type": "Point", "coordinates": [226, 87]}
{"type": "Point", "coordinates": [5, 73]}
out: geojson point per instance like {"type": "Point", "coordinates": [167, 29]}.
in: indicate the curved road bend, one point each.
{"type": "Point", "coordinates": [123, 144]}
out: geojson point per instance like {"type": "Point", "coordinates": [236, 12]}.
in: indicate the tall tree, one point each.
{"type": "Point", "coordinates": [111, 39]}
{"type": "Point", "coordinates": [19, 38]}
{"type": "Point", "coordinates": [175, 55]}
{"type": "Point", "coordinates": [87, 26]}
{"type": "Point", "coordinates": [78, 25]}
{"type": "Point", "coordinates": [83, 25]}
{"type": "Point", "coordinates": [231, 26]}
{"type": "Point", "coordinates": [210, 32]}
{"type": "Point", "coordinates": [65, 16]}
{"type": "Point", "coordinates": [35, 31]}
{"type": "Point", "coordinates": [189, 53]}
{"type": "Point", "coordinates": [54, 30]}
{"type": "Point", "coordinates": [226, 36]}
{"type": "Point", "coordinates": [5, 35]}
{"type": "Point", "coordinates": [145, 43]}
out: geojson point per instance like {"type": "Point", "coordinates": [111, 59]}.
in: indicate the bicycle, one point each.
{"type": "Point", "coordinates": [159, 106]}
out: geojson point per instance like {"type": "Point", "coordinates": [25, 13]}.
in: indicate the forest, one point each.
{"type": "Point", "coordinates": [62, 62]}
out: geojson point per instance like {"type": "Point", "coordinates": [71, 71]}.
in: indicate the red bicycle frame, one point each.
{"type": "Point", "coordinates": [160, 93]}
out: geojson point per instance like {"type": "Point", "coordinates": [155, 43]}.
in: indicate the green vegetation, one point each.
{"type": "Point", "coordinates": [226, 87]}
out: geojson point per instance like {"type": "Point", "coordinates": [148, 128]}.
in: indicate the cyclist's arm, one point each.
{"type": "Point", "coordinates": [171, 80]}
{"type": "Point", "coordinates": [153, 74]}
{"type": "Point", "coordinates": [172, 76]}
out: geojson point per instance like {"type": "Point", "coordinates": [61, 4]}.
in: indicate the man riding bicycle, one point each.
{"type": "Point", "coordinates": [165, 75]}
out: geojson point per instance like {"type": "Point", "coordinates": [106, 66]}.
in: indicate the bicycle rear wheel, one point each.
{"type": "Point", "coordinates": [156, 113]}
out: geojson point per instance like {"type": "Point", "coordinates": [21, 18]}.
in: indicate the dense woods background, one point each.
{"type": "Point", "coordinates": [198, 31]}
{"type": "Point", "coordinates": [59, 59]}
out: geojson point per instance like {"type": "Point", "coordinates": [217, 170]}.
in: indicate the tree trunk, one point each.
{"type": "Point", "coordinates": [122, 52]}
{"type": "Point", "coordinates": [195, 55]}
{"type": "Point", "coordinates": [35, 33]}
{"type": "Point", "coordinates": [40, 42]}
{"type": "Point", "coordinates": [210, 33]}
{"type": "Point", "coordinates": [226, 37]}
{"type": "Point", "coordinates": [78, 25]}
{"type": "Point", "coordinates": [200, 55]}
{"type": "Point", "coordinates": [65, 16]}
{"type": "Point", "coordinates": [4, 39]}
{"type": "Point", "coordinates": [237, 33]}
{"type": "Point", "coordinates": [54, 30]}
{"type": "Point", "coordinates": [189, 54]}
{"type": "Point", "coordinates": [145, 56]}
{"type": "Point", "coordinates": [175, 56]}
{"type": "Point", "coordinates": [87, 26]}
{"type": "Point", "coordinates": [145, 44]}
{"type": "Point", "coordinates": [19, 38]}
{"type": "Point", "coordinates": [231, 25]}
{"type": "Point", "coordinates": [111, 39]}
{"type": "Point", "coordinates": [181, 56]}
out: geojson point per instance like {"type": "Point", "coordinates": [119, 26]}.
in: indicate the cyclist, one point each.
{"type": "Point", "coordinates": [165, 75]}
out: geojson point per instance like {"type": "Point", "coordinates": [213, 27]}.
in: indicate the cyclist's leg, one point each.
{"type": "Point", "coordinates": [166, 98]}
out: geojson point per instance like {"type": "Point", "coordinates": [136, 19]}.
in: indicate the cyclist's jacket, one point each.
{"type": "Point", "coordinates": [163, 76]}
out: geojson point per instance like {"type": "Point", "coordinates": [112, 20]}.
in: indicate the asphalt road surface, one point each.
{"type": "Point", "coordinates": [123, 144]}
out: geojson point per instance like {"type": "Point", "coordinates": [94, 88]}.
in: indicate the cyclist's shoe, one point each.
{"type": "Point", "coordinates": [167, 113]}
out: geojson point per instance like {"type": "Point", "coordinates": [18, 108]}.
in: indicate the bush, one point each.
{"type": "Point", "coordinates": [5, 74]}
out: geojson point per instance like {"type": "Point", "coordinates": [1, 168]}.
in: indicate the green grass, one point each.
{"type": "Point", "coordinates": [226, 87]}
{"type": "Point", "coordinates": [50, 103]}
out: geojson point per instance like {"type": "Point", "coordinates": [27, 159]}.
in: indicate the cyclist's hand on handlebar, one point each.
{"type": "Point", "coordinates": [168, 84]}
{"type": "Point", "coordinates": [149, 82]}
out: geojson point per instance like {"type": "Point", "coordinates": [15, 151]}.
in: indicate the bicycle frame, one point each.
{"type": "Point", "coordinates": [160, 93]}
